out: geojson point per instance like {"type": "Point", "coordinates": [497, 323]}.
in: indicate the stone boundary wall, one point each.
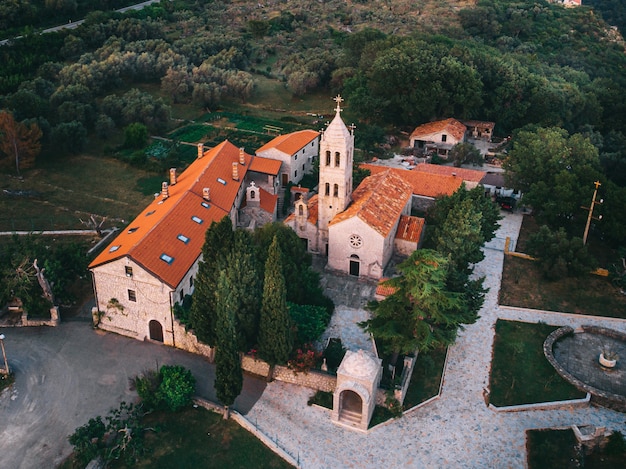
{"type": "Point", "coordinates": [311, 379]}
{"type": "Point", "coordinates": [186, 340]}
{"type": "Point", "coordinates": [555, 405]}
{"type": "Point", "coordinates": [246, 424]}
{"type": "Point", "coordinates": [580, 317]}
{"type": "Point", "coordinates": [604, 398]}
{"type": "Point", "coordinates": [52, 322]}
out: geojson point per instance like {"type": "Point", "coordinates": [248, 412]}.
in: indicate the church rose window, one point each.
{"type": "Point", "coordinates": [356, 241]}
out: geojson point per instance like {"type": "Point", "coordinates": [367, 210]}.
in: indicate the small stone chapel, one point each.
{"type": "Point", "coordinates": [358, 231]}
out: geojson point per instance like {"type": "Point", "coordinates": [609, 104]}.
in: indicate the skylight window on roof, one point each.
{"type": "Point", "coordinates": [114, 248]}
{"type": "Point", "coordinates": [205, 205]}
{"type": "Point", "coordinates": [221, 181]}
{"type": "Point", "coordinates": [198, 220]}
{"type": "Point", "coordinates": [150, 213]}
{"type": "Point", "coordinates": [166, 258]}
{"type": "Point", "coordinates": [133, 229]}
{"type": "Point", "coordinates": [183, 238]}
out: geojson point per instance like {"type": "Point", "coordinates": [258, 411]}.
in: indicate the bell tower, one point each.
{"type": "Point", "coordinates": [336, 159]}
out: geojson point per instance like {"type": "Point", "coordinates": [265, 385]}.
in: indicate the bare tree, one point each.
{"type": "Point", "coordinates": [19, 141]}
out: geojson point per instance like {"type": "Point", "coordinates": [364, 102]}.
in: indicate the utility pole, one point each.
{"type": "Point", "coordinates": [4, 355]}
{"type": "Point", "coordinates": [590, 209]}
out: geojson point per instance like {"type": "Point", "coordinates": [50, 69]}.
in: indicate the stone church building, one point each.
{"type": "Point", "coordinates": [357, 231]}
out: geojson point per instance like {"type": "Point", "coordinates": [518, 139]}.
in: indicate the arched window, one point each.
{"type": "Point", "coordinates": [337, 159]}
{"type": "Point", "coordinates": [327, 189]}
{"type": "Point", "coordinates": [252, 194]}
{"type": "Point", "coordinates": [327, 157]}
{"type": "Point", "coordinates": [300, 210]}
{"type": "Point", "coordinates": [336, 190]}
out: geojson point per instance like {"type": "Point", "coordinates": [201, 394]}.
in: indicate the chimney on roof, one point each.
{"type": "Point", "coordinates": [200, 150]}
{"type": "Point", "coordinates": [242, 156]}
{"type": "Point", "coordinates": [235, 171]}
{"type": "Point", "coordinates": [165, 190]}
{"type": "Point", "coordinates": [206, 194]}
{"type": "Point", "coordinates": [454, 174]}
{"type": "Point", "coordinates": [172, 176]}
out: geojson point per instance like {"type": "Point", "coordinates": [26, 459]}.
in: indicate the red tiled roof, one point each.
{"type": "Point", "coordinates": [268, 201]}
{"type": "Point", "coordinates": [423, 184]}
{"type": "Point", "coordinates": [155, 230]}
{"type": "Point", "coordinates": [385, 290]}
{"type": "Point", "coordinates": [472, 175]}
{"type": "Point", "coordinates": [265, 165]}
{"type": "Point", "coordinates": [451, 126]}
{"type": "Point", "coordinates": [290, 143]}
{"type": "Point", "coordinates": [410, 228]}
{"type": "Point", "coordinates": [378, 201]}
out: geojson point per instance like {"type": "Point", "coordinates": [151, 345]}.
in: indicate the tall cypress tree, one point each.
{"type": "Point", "coordinates": [218, 243]}
{"type": "Point", "coordinates": [243, 276]}
{"type": "Point", "coordinates": [228, 374]}
{"type": "Point", "coordinates": [275, 331]}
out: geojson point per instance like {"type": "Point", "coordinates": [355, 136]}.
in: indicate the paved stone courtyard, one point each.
{"type": "Point", "coordinates": [457, 430]}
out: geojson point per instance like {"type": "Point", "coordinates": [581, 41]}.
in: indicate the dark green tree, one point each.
{"type": "Point", "coordinates": [218, 242]}
{"type": "Point", "coordinates": [228, 374]}
{"type": "Point", "coordinates": [465, 152]}
{"type": "Point", "coordinates": [422, 313]}
{"type": "Point", "coordinates": [243, 275]}
{"type": "Point", "coordinates": [275, 327]}
{"type": "Point", "coordinates": [135, 135]}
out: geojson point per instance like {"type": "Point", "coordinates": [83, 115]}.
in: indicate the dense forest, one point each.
{"type": "Point", "coordinates": [518, 63]}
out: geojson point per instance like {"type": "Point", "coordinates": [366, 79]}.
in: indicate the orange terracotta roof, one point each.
{"type": "Point", "coordinates": [423, 184]}
{"type": "Point", "coordinates": [265, 165]}
{"type": "Point", "coordinates": [451, 126]}
{"type": "Point", "coordinates": [385, 290]}
{"type": "Point", "coordinates": [156, 229]}
{"type": "Point", "coordinates": [268, 201]}
{"type": "Point", "coordinates": [410, 228]}
{"type": "Point", "coordinates": [472, 175]}
{"type": "Point", "coordinates": [378, 201]}
{"type": "Point", "coordinates": [290, 143]}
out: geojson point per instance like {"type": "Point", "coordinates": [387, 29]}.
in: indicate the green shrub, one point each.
{"type": "Point", "coordinates": [86, 440]}
{"type": "Point", "coordinates": [177, 387]}
{"type": "Point", "coordinates": [147, 386]}
{"type": "Point", "coordinates": [311, 321]}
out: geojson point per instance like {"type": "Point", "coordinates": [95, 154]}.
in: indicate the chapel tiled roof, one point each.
{"type": "Point", "coordinates": [378, 201]}
{"type": "Point", "coordinates": [410, 228]}
{"type": "Point", "coordinates": [450, 125]}
{"type": "Point", "coordinates": [265, 165]}
{"type": "Point", "coordinates": [175, 226]}
{"type": "Point", "coordinates": [423, 184]}
{"type": "Point", "coordinates": [290, 143]}
{"type": "Point", "coordinates": [268, 201]}
{"type": "Point", "coordinates": [312, 207]}
{"type": "Point", "coordinates": [472, 175]}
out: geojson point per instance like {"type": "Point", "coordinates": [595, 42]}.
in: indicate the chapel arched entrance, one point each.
{"type": "Point", "coordinates": [351, 406]}
{"type": "Point", "coordinates": [156, 331]}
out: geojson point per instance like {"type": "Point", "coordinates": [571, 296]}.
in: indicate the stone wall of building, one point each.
{"type": "Point", "coordinates": [186, 340]}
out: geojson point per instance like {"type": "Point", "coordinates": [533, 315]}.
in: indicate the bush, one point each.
{"type": "Point", "coordinates": [176, 388]}
{"type": "Point", "coordinates": [305, 359]}
{"type": "Point", "coordinates": [311, 321]}
{"type": "Point", "coordinates": [147, 386]}
{"type": "Point", "coordinates": [559, 256]}
{"type": "Point", "coordinates": [86, 440]}
{"type": "Point", "coordinates": [334, 354]}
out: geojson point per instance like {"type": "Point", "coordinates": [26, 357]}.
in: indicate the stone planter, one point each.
{"type": "Point", "coordinates": [605, 362]}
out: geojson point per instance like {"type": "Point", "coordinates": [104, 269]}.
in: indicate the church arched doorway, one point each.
{"type": "Point", "coordinates": [355, 265]}
{"type": "Point", "coordinates": [156, 331]}
{"type": "Point", "coordinates": [351, 407]}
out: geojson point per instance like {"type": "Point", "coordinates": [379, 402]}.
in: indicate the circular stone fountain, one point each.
{"type": "Point", "coordinates": [584, 357]}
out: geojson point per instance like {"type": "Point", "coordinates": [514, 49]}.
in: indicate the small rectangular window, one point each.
{"type": "Point", "coordinates": [129, 271]}
{"type": "Point", "coordinates": [205, 205]}
{"type": "Point", "coordinates": [183, 238]}
{"type": "Point", "coordinates": [444, 137]}
{"type": "Point", "coordinates": [132, 296]}
{"type": "Point", "coordinates": [191, 282]}
{"type": "Point", "coordinates": [133, 229]}
{"type": "Point", "coordinates": [198, 220]}
{"type": "Point", "coordinates": [114, 248]}
{"type": "Point", "coordinates": [295, 157]}
{"type": "Point", "coordinates": [150, 213]}
{"type": "Point", "coordinates": [182, 295]}
{"type": "Point", "coordinates": [221, 181]}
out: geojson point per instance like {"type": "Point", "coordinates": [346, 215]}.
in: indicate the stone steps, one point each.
{"type": "Point", "coordinates": [350, 416]}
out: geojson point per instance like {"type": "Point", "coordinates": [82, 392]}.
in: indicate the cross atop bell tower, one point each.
{"type": "Point", "coordinates": [338, 99]}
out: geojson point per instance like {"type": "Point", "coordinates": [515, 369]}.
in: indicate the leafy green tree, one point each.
{"type": "Point", "coordinates": [465, 152]}
{"type": "Point", "coordinates": [554, 171]}
{"type": "Point", "coordinates": [135, 135]}
{"type": "Point", "coordinates": [560, 256]}
{"type": "Point", "coordinates": [243, 275]}
{"type": "Point", "coordinates": [69, 137]}
{"type": "Point", "coordinates": [310, 322]}
{"type": "Point", "coordinates": [275, 327]}
{"type": "Point", "coordinates": [218, 242]}
{"type": "Point", "coordinates": [177, 387]}
{"type": "Point", "coordinates": [228, 374]}
{"type": "Point", "coordinates": [422, 313]}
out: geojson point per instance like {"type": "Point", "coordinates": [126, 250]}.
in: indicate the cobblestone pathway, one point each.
{"type": "Point", "coordinates": [458, 430]}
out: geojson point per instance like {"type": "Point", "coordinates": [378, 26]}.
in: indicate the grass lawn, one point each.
{"type": "Point", "coordinates": [520, 373]}
{"type": "Point", "coordinates": [524, 286]}
{"type": "Point", "coordinates": [63, 190]}
{"type": "Point", "coordinates": [198, 438]}
{"type": "Point", "coordinates": [426, 378]}
{"type": "Point", "coordinates": [552, 448]}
